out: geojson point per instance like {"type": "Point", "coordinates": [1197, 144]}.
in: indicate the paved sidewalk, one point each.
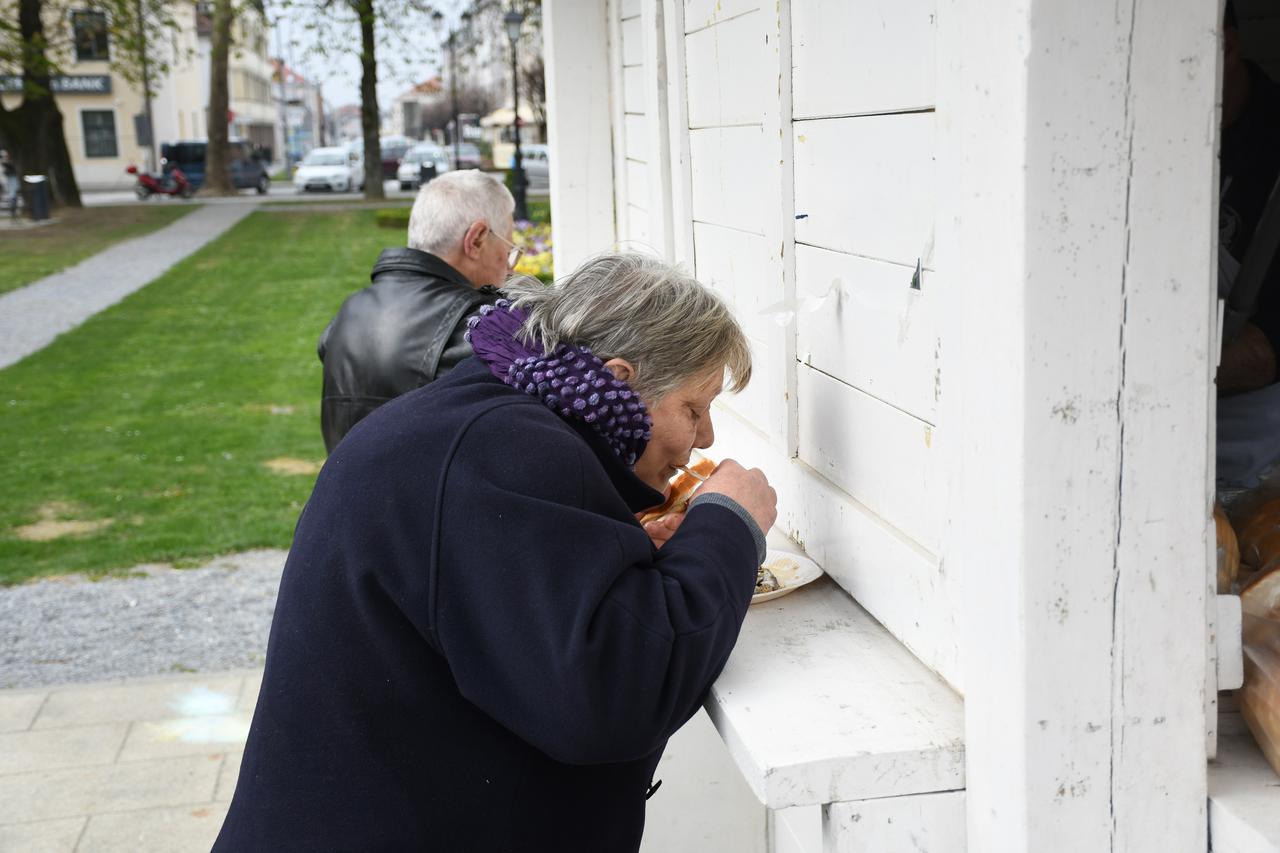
{"type": "Point", "coordinates": [136, 766]}
{"type": "Point", "coordinates": [32, 316]}
{"type": "Point", "coordinates": [148, 765]}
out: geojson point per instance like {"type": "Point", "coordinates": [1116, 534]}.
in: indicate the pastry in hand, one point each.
{"type": "Point", "coordinates": [680, 492]}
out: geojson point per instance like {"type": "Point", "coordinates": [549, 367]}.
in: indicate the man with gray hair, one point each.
{"type": "Point", "coordinates": [406, 328]}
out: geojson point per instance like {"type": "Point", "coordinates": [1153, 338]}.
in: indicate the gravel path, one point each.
{"type": "Point", "coordinates": [32, 316]}
{"type": "Point", "coordinates": [216, 617]}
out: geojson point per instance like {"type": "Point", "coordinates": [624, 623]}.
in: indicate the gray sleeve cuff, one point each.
{"type": "Point", "coordinates": [721, 499]}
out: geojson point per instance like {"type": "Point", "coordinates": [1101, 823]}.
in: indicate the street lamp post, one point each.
{"type": "Point", "coordinates": [455, 36]}
{"type": "Point", "coordinates": [513, 20]}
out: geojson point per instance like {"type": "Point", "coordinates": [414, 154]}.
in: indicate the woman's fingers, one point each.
{"type": "Point", "coordinates": [662, 529]}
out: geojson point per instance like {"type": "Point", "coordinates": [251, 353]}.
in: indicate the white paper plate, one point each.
{"type": "Point", "coordinates": [792, 571]}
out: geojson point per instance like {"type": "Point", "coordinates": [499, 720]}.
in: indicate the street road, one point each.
{"type": "Point", "coordinates": [279, 192]}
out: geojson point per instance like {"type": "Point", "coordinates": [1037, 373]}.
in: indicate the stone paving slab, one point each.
{"type": "Point", "coordinates": [185, 736]}
{"type": "Point", "coordinates": [144, 699]}
{"type": "Point", "coordinates": [43, 836]}
{"type": "Point", "coordinates": [144, 766]}
{"type": "Point", "coordinates": [228, 778]}
{"type": "Point", "coordinates": [32, 316]}
{"type": "Point", "coordinates": [75, 791]}
{"type": "Point", "coordinates": [249, 692]}
{"type": "Point", "coordinates": [52, 749]}
{"type": "Point", "coordinates": [18, 711]}
{"type": "Point", "coordinates": [191, 827]}
{"type": "Point", "coordinates": [157, 761]}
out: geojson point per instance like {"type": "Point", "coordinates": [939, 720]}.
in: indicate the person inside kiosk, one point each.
{"type": "Point", "coordinates": [1248, 279]}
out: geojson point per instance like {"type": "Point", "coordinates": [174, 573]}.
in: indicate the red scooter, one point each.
{"type": "Point", "coordinates": [173, 183]}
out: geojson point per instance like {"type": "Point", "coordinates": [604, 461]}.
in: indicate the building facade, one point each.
{"type": "Point", "coordinates": [411, 109]}
{"type": "Point", "coordinates": [303, 111]}
{"type": "Point", "coordinates": [103, 113]}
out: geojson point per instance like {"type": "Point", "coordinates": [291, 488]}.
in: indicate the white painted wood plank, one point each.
{"type": "Point", "coordinates": [653, 27]}
{"type": "Point", "coordinates": [796, 830]}
{"type": "Point", "coordinates": [1244, 795]}
{"type": "Point", "coordinates": [617, 76]}
{"type": "Point", "coordinates": [635, 134]}
{"type": "Point", "coordinates": [778, 173]}
{"type": "Point", "coordinates": [704, 803]}
{"type": "Point", "coordinates": [638, 184]}
{"type": "Point", "coordinates": [705, 13]}
{"type": "Point", "coordinates": [637, 237]}
{"type": "Point", "coordinates": [880, 455]}
{"type": "Point", "coordinates": [906, 588]}
{"type": "Point", "coordinates": [736, 264]}
{"type": "Point", "coordinates": [873, 332]}
{"type": "Point", "coordinates": [632, 43]}
{"type": "Point", "coordinates": [678, 136]}
{"type": "Point", "coordinates": [1169, 336]}
{"type": "Point", "coordinates": [881, 52]}
{"type": "Point", "coordinates": [819, 703]}
{"type": "Point", "coordinates": [633, 98]}
{"type": "Point", "coordinates": [725, 67]}
{"type": "Point", "coordinates": [924, 823]}
{"type": "Point", "coordinates": [723, 162]}
{"type": "Point", "coordinates": [578, 74]}
{"type": "Point", "coordinates": [1068, 142]}
{"type": "Point", "coordinates": [865, 185]}
{"type": "Point", "coordinates": [629, 9]}
{"type": "Point", "coordinates": [1229, 641]}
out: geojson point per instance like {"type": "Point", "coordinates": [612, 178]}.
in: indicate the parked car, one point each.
{"type": "Point", "coordinates": [335, 169]}
{"type": "Point", "coordinates": [393, 151]}
{"type": "Point", "coordinates": [411, 165]}
{"type": "Point", "coordinates": [248, 162]}
{"type": "Point", "coordinates": [468, 155]}
{"type": "Point", "coordinates": [537, 167]}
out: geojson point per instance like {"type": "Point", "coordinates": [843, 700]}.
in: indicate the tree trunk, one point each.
{"type": "Point", "coordinates": [34, 129]}
{"type": "Point", "coordinates": [217, 156]}
{"type": "Point", "coordinates": [369, 102]}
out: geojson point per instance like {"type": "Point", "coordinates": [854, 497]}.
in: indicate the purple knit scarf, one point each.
{"type": "Point", "coordinates": [572, 381]}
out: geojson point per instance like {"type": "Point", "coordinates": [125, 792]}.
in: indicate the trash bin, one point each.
{"type": "Point", "coordinates": [426, 172]}
{"type": "Point", "coordinates": [37, 188]}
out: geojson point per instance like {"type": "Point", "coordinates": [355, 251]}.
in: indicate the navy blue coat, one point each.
{"type": "Point", "coordinates": [476, 646]}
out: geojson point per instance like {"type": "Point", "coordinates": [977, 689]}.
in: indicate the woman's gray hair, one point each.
{"type": "Point", "coordinates": [448, 205]}
{"type": "Point", "coordinates": [667, 324]}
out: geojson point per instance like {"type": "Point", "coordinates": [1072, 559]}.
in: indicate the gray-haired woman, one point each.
{"type": "Point", "coordinates": [476, 646]}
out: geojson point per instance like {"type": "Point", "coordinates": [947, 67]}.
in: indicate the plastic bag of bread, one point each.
{"type": "Point", "coordinates": [680, 492]}
{"type": "Point", "coordinates": [1260, 537]}
{"type": "Point", "coordinates": [1260, 696]}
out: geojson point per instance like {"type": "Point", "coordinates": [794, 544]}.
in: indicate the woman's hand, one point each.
{"type": "Point", "coordinates": [662, 529]}
{"type": "Point", "coordinates": [749, 487]}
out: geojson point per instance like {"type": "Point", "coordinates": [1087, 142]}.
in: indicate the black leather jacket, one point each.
{"type": "Point", "coordinates": [397, 334]}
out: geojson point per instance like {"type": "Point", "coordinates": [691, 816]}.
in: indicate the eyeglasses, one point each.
{"type": "Point", "coordinates": [513, 257]}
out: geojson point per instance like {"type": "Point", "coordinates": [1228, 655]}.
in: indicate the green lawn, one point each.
{"type": "Point", "coordinates": [143, 435]}
{"type": "Point", "coordinates": [32, 254]}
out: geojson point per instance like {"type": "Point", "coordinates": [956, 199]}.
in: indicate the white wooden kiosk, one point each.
{"type": "Point", "coordinates": [971, 243]}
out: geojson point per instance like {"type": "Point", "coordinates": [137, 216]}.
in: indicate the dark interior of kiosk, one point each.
{"type": "Point", "coordinates": [1247, 510]}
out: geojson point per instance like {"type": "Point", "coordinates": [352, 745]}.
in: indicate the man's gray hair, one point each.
{"type": "Point", "coordinates": [667, 324]}
{"type": "Point", "coordinates": [448, 205]}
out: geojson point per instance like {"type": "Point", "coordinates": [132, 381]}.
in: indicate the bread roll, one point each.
{"type": "Point", "coordinates": [1228, 551]}
{"type": "Point", "coordinates": [680, 492]}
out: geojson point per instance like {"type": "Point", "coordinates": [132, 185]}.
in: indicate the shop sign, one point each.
{"type": "Point", "coordinates": [64, 84]}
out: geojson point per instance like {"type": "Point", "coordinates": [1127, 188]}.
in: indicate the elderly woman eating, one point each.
{"type": "Point", "coordinates": [476, 645]}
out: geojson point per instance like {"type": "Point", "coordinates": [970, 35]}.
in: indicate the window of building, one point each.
{"type": "Point", "coordinates": [89, 31]}
{"type": "Point", "coordinates": [99, 133]}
